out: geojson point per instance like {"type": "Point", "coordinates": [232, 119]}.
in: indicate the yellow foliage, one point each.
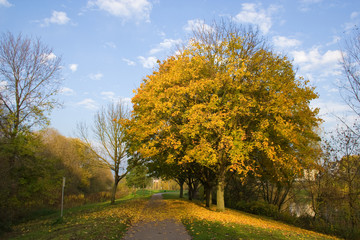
{"type": "Point", "coordinates": [222, 106]}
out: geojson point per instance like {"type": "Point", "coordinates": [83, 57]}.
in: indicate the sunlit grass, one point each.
{"type": "Point", "coordinates": [203, 223]}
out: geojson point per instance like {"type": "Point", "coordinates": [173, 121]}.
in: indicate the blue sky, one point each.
{"type": "Point", "coordinates": [109, 46]}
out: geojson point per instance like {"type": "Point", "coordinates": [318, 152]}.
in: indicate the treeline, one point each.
{"type": "Point", "coordinates": [32, 169]}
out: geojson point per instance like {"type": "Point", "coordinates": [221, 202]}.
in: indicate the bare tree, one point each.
{"type": "Point", "coordinates": [109, 143]}
{"type": "Point", "coordinates": [350, 60]}
{"type": "Point", "coordinates": [29, 80]}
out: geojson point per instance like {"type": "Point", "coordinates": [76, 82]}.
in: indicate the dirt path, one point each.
{"type": "Point", "coordinates": [160, 230]}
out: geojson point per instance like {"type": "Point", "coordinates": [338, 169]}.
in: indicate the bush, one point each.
{"type": "Point", "coordinates": [98, 197]}
{"type": "Point", "coordinates": [259, 208]}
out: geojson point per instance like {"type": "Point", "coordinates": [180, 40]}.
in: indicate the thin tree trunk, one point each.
{"type": "Point", "coordinates": [113, 193]}
{"type": "Point", "coordinates": [283, 198]}
{"type": "Point", "coordinates": [351, 205]}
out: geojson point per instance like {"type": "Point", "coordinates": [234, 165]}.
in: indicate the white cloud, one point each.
{"type": "Point", "coordinates": [112, 97]}
{"type": "Point", "coordinates": [305, 5]}
{"type": "Point", "coordinates": [335, 40]}
{"type": "Point", "coordinates": [326, 64]}
{"type": "Point", "coordinates": [108, 95]}
{"type": "Point", "coordinates": [110, 45]}
{"type": "Point", "coordinates": [165, 45]}
{"type": "Point", "coordinates": [129, 62]}
{"type": "Point", "coordinates": [331, 110]}
{"type": "Point", "coordinates": [96, 76]}
{"type": "Point", "coordinates": [73, 67]}
{"type": "Point", "coordinates": [162, 34]}
{"type": "Point", "coordinates": [47, 58]}
{"type": "Point", "coordinates": [310, 1]}
{"type": "Point", "coordinates": [149, 62]}
{"type": "Point", "coordinates": [126, 100]}
{"type": "Point", "coordinates": [67, 91]}
{"type": "Point", "coordinates": [125, 9]}
{"type": "Point", "coordinates": [354, 15]}
{"type": "Point", "coordinates": [197, 24]}
{"type": "Point", "coordinates": [284, 42]}
{"type": "Point", "coordinates": [254, 14]}
{"type": "Point", "coordinates": [5, 3]}
{"type": "Point", "coordinates": [88, 103]}
{"type": "Point", "coordinates": [50, 56]}
{"type": "Point", "coordinates": [59, 18]}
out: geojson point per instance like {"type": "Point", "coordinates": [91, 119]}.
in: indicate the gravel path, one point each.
{"type": "Point", "coordinates": [168, 229]}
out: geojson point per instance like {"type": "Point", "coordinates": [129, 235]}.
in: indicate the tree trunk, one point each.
{"type": "Point", "coordinates": [351, 204]}
{"type": "Point", "coordinates": [113, 193]}
{"type": "Point", "coordinates": [208, 196]}
{"type": "Point", "coordinates": [181, 189]}
{"type": "Point", "coordinates": [195, 189]}
{"type": "Point", "coordinates": [190, 191]}
{"type": "Point", "coordinates": [220, 202]}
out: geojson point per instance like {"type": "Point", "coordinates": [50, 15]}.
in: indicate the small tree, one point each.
{"type": "Point", "coordinates": [110, 145]}
{"type": "Point", "coordinates": [29, 80]}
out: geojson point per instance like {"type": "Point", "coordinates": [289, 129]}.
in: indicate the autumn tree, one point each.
{"type": "Point", "coordinates": [225, 102]}
{"type": "Point", "coordinates": [84, 172]}
{"type": "Point", "coordinates": [109, 143]}
{"type": "Point", "coordinates": [29, 80]}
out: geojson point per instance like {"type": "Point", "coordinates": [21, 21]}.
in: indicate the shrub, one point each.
{"type": "Point", "coordinates": [259, 208]}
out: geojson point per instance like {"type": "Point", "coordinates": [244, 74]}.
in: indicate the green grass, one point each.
{"type": "Point", "coordinates": [102, 221]}
{"type": "Point", "coordinates": [205, 230]}
{"type": "Point", "coordinates": [142, 193]}
{"type": "Point", "coordinates": [72, 226]}
{"type": "Point", "coordinates": [171, 195]}
{"type": "Point", "coordinates": [49, 225]}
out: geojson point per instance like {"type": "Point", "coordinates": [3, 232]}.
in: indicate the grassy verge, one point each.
{"type": "Point", "coordinates": [204, 230]}
{"type": "Point", "coordinates": [143, 193]}
{"type": "Point", "coordinates": [202, 223]}
{"type": "Point", "coordinates": [171, 195]}
{"type": "Point", "coordinates": [105, 221]}
{"type": "Point", "coordinates": [90, 221]}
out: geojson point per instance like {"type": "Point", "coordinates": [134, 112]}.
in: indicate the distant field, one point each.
{"type": "Point", "coordinates": [105, 221]}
